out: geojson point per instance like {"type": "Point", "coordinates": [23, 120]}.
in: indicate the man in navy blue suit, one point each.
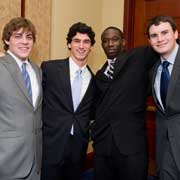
{"type": "Point", "coordinates": [66, 127]}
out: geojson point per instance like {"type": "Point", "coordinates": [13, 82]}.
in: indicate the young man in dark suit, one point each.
{"type": "Point", "coordinates": [68, 90]}
{"type": "Point", "coordinates": [119, 129]}
{"type": "Point", "coordinates": [162, 34]}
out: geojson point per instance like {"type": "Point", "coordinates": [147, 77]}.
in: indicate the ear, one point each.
{"type": "Point", "coordinates": [149, 41]}
{"type": "Point", "coordinates": [7, 42]}
{"type": "Point", "coordinates": [176, 34]}
{"type": "Point", "coordinates": [69, 46]}
{"type": "Point", "coordinates": [123, 43]}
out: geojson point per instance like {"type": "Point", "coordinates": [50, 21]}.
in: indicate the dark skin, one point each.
{"type": "Point", "coordinates": [112, 43]}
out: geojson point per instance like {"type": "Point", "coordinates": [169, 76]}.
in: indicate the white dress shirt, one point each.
{"type": "Point", "coordinates": [86, 77]}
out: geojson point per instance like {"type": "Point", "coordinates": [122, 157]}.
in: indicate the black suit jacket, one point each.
{"type": "Point", "coordinates": [58, 114]}
{"type": "Point", "coordinates": [121, 103]}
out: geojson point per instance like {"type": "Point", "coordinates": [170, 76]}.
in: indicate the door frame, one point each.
{"type": "Point", "coordinates": [128, 24]}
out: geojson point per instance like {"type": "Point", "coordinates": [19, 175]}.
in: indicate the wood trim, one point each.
{"type": "Point", "coordinates": [22, 8]}
{"type": "Point", "coordinates": [129, 18]}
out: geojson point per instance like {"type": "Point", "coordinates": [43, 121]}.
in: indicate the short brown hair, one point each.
{"type": "Point", "coordinates": [14, 25]}
{"type": "Point", "coordinates": [161, 18]}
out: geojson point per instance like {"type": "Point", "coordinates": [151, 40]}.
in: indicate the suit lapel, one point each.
{"type": "Point", "coordinates": [88, 94]}
{"type": "Point", "coordinates": [153, 90]}
{"type": "Point", "coordinates": [15, 72]}
{"type": "Point", "coordinates": [64, 76]}
{"type": "Point", "coordinates": [174, 76]}
{"type": "Point", "coordinates": [120, 63]}
{"type": "Point", "coordinates": [39, 79]}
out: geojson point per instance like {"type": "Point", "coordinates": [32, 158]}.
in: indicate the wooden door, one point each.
{"type": "Point", "coordinates": [138, 12]}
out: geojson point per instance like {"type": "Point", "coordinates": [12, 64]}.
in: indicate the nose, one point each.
{"type": "Point", "coordinates": [110, 42]}
{"type": "Point", "coordinates": [24, 40]}
{"type": "Point", "coordinates": [159, 37]}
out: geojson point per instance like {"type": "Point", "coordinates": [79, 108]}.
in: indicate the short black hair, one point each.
{"type": "Point", "coordinates": [158, 19]}
{"type": "Point", "coordinates": [83, 28]}
{"type": "Point", "coordinates": [115, 28]}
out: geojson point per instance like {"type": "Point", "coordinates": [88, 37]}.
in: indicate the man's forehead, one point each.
{"type": "Point", "coordinates": [22, 30]}
{"type": "Point", "coordinates": [162, 25]}
{"type": "Point", "coordinates": [81, 36]}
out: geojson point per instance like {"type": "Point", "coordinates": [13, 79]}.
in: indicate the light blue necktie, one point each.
{"type": "Point", "coordinates": [164, 82]}
{"type": "Point", "coordinates": [26, 79]}
{"type": "Point", "coordinates": [76, 89]}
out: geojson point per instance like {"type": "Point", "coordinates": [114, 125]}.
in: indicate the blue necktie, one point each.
{"type": "Point", "coordinates": [26, 79]}
{"type": "Point", "coordinates": [76, 89]}
{"type": "Point", "coordinates": [164, 82]}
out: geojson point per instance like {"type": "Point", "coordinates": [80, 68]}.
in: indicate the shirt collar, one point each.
{"type": "Point", "coordinates": [74, 67]}
{"type": "Point", "coordinates": [111, 60]}
{"type": "Point", "coordinates": [172, 56]}
{"type": "Point", "coordinates": [18, 61]}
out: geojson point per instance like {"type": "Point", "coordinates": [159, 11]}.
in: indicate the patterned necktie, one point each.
{"type": "Point", "coordinates": [110, 69]}
{"type": "Point", "coordinates": [164, 82]}
{"type": "Point", "coordinates": [26, 79]}
{"type": "Point", "coordinates": [76, 89]}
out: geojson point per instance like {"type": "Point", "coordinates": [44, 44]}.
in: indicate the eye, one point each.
{"type": "Point", "coordinates": [164, 32]}
{"type": "Point", "coordinates": [87, 41]}
{"type": "Point", "coordinates": [29, 37]}
{"type": "Point", "coordinates": [153, 35]}
{"type": "Point", "coordinates": [17, 36]}
{"type": "Point", "coordinates": [76, 40]}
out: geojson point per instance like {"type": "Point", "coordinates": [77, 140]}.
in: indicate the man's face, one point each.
{"type": "Point", "coordinates": [162, 38]}
{"type": "Point", "coordinates": [112, 43]}
{"type": "Point", "coordinates": [20, 43]}
{"type": "Point", "coordinates": [80, 47]}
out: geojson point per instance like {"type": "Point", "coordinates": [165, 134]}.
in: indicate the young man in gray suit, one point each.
{"type": "Point", "coordinates": [162, 34]}
{"type": "Point", "coordinates": [20, 104]}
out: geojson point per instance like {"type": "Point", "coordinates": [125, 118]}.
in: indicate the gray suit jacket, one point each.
{"type": "Point", "coordinates": [168, 121]}
{"type": "Point", "coordinates": [20, 122]}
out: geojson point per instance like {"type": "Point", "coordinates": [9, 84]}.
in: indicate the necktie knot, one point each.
{"type": "Point", "coordinates": [78, 72]}
{"type": "Point", "coordinates": [165, 64]}
{"type": "Point", "coordinates": [23, 67]}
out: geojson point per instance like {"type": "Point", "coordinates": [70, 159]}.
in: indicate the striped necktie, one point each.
{"type": "Point", "coordinates": [26, 79]}
{"type": "Point", "coordinates": [110, 69]}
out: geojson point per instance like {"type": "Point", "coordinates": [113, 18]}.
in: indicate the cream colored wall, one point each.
{"type": "Point", "coordinates": [97, 13]}
{"type": "Point", "coordinates": [8, 9]}
{"type": "Point", "coordinates": [39, 12]}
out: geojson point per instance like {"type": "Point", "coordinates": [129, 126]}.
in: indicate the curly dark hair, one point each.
{"type": "Point", "coordinates": [14, 25]}
{"type": "Point", "coordinates": [80, 28]}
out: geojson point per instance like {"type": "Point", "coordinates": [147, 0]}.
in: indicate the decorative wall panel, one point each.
{"type": "Point", "coordinates": [39, 12]}
{"type": "Point", "coordinates": [8, 9]}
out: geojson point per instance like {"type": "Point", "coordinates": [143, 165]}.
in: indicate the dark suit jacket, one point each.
{"type": "Point", "coordinates": [121, 106]}
{"type": "Point", "coordinates": [58, 114]}
{"type": "Point", "coordinates": [168, 121]}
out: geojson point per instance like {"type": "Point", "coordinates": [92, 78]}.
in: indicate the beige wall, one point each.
{"type": "Point", "coordinates": [53, 18]}
{"type": "Point", "coordinates": [39, 12]}
{"type": "Point", "coordinates": [97, 13]}
{"type": "Point", "coordinates": [8, 9]}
